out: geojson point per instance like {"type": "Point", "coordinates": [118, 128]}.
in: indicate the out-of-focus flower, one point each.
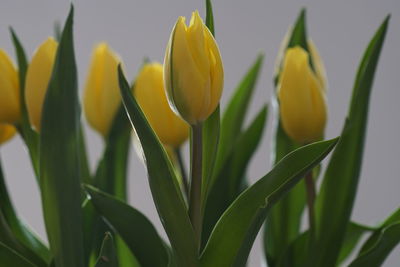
{"type": "Point", "coordinates": [9, 90]}
{"type": "Point", "coordinates": [302, 99]}
{"type": "Point", "coordinates": [102, 96]}
{"type": "Point", "coordinates": [150, 94]}
{"type": "Point", "coordinates": [7, 131]}
{"type": "Point", "coordinates": [193, 71]}
{"type": "Point", "coordinates": [37, 80]}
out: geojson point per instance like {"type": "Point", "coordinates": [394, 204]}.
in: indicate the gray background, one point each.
{"type": "Point", "coordinates": [340, 29]}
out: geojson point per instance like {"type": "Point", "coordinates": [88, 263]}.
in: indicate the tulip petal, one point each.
{"type": "Point", "coordinates": [6, 132]}
{"type": "Point", "coordinates": [37, 79]}
{"type": "Point", "coordinates": [9, 90]}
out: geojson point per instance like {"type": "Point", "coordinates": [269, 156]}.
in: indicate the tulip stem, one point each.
{"type": "Point", "coordinates": [196, 180]}
{"type": "Point", "coordinates": [182, 170]}
{"type": "Point", "coordinates": [310, 188]}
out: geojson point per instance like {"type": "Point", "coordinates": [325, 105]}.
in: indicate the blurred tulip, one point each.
{"type": "Point", "coordinates": [302, 98]}
{"type": "Point", "coordinates": [150, 94]}
{"type": "Point", "coordinates": [193, 71]}
{"type": "Point", "coordinates": [9, 90]}
{"type": "Point", "coordinates": [7, 131]}
{"type": "Point", "coordinates": [37, 80]}
{"type": "Point", "coordinates": [102, 97]}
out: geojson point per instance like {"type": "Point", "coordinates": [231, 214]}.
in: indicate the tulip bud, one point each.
{"type": "Point", "coordinates": [302, 98]}
{"type": "Point", "coordinates": [37, 80]}
{"type": "Point", "coordinates": [7, 131]}
{"type": "Point", "coordinates": [9, 90]}
{"type": "Point", "coordinates": [150, 94]}
{"type": "Point", "coordinates": [102, 97]}
{"type": "Point", "coordinates": [193, 71]}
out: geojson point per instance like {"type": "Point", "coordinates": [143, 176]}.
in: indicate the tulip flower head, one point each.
{"type": "Point", "coordinates": [302, 100]}
{"type": "Point", "coordinates": [9, 90]}
{"type": "Point", "coordinates": [37, 80]}
{"type": "Point", "coordinates": [7, 131]}
{"type": "Point", "coordinates": [151, 96]}
{"type": "Point", "coordinates": [102, 97]}
{"type": "Point", "coordinates": [193, 71]}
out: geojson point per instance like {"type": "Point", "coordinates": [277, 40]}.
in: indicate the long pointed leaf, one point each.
{"type": "Point", "coordinates": [375, 256]}
{"type": "Point", "coordinates": [165, 190]}
{"type": "Point", "coordinates": [233, 236]}
{"type": "Point", "coordinates": [226, 189]}
{"type": "Point", "coordinates": [133, 227]}
{"type": "Point", "coordinates": [336, 199]}
{"type": "Point", "coordinates": [234, 115]}
{"type": "Point", "coordinates": [59, 157]}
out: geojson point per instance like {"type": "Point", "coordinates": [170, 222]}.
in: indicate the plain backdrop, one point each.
{"type": "Point", "coordinates": [138, 29]}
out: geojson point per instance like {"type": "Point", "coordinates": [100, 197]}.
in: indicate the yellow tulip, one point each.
{"type": "Point", "coordinates": [302, 98]}
{"type": "Point", "coordinates": [102, 97]}
{"type": "Point", "coordinates": [7, 131]}
{"type": "Point", "coordinates": [150, 94]}
{"type": "Point", "coordinates": [193, 71]}
{"type": "Point", "coordinates": [37, 80]}
{"type": "Point", "coordinates": [9, 90]}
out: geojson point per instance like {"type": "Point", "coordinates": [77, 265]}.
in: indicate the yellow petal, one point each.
{"type": "Point", "coordinates": [9, 90]}
{"type": "Point", "coordinates": [193, 70]}
{"type": "Point", "coordinates": [150, 94]}
{"type": "Point", "coordinates": [301, 99]}
{"type": "Point", "coordinates": [102, 97]}
{"type": "Point", "coordinates": [7, 131]}
{"type": "Point", "coordinates": [37, 80]}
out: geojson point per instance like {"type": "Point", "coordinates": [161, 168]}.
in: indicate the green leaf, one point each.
{"type": "Point", "coordinates": [335, 202]}
{"type": "Point", "coordinates": [295, 253]}
{"type": "Point", "coordinates": [16, 226]}
{"type": "Point", "coordinates": [299, 33]}
{"type": "Point", "coordinates": [10, 257]}
{"type": "Point", "coordinates": [211, 132]}
{"type": "Point", "coordinates": [231, 182]}
{"type": "Point", "coordinates": [234, 115]}
{"type": "Point", "coordinates": [30, 137]}
{"type": "Point", "coordinates": [354, 233]}
{"type": "Point", "coordinates": [133, 228]}
{"type": "Point", "coordinates": [210, 17]}
{"type": "Point", "coordinates": [394, 218]}
{"type": "Point", "coordinates": [163, 183]}
{"type": "Point", "coordinates": [234, 234]}
{"type": "Point", "coordinates": [375, 255]}
{"type": "Point", "coordinates": [59, 157]}
{"type": "Point", "coordinates": [107, 255]}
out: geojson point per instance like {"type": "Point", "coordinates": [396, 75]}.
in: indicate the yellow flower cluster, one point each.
{"type": "Point", "coordinates": [188, 86]}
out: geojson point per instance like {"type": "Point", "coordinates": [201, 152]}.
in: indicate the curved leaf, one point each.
{"type": "Point", "coordinates": [164, 188]}
{"type": "Point", "coordinates": [388, 239]}
{"type": "Point", "coordinates": [59, 157]}
{"type": "Point", "coordinates": [133, 227]}
{"type": "Point", "coordinates": [233, 236]}
{"type": "Point", "coordinates": [335, 202]}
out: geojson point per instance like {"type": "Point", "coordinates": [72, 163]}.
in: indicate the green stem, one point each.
{"type": "Point", "coordinates": [196, 180]}
{"type": "Point", "coordinates": [310, 188]}
{"type": "Point", "coordinates": [182, 171]}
